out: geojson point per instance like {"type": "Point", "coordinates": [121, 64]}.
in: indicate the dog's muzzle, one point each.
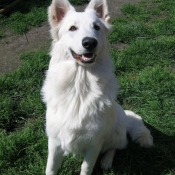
{"type": "Point", "coordinates": [89, 45]}
{"type": "Point", "coordinates": [85, 58]}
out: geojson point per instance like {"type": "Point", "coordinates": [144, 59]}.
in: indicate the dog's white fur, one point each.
{"type": "Point", "coordinates": [82, 115]}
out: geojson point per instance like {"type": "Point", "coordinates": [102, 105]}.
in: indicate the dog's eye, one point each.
{"type": "Point", "coordinates": [73, 28]}
{"type": "Point", "coordinates": [96, 27]}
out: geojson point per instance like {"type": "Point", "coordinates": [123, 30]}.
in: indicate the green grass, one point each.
{"type": "Point", "coordinates": [27, 14]}
{"type": "Point", "coordinates": [146, 73]}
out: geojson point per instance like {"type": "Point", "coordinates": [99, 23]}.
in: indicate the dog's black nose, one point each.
{"type": "Point", "coordinates": [89, 43]}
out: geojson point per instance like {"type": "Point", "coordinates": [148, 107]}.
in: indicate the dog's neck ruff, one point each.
{"type": "Point", "coordinates": [80, 88]}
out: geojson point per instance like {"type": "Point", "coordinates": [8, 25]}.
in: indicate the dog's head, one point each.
{"type": "Point", "coordinates": [83, 34]}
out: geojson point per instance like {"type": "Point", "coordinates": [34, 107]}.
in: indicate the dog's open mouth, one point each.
{"type": "Point", "coordinates": [85, 58]}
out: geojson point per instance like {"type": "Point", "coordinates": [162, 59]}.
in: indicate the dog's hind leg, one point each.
{"type": "Point", "coordinates": [135, 127]}
{"type": "Point", "coordinates": [106, 162]}
{"type": "Point", "coordinates": [55, 157]}
{"type": "Point", "coordinates": [137, 130]}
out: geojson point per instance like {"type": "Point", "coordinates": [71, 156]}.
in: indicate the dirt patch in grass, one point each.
{"type": "Point", "coordinates": [38, 38]}
{"type": "Point", "coordinates": [12, 45]}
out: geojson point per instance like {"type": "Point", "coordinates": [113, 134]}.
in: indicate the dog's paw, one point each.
{"type": "Point", "coordinates": [145, 140]}
{"type": "Point", "coordinates": [106, 162]}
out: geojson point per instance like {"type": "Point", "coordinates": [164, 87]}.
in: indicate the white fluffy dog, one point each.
{"type": "Point", "coordinates": [80, 89]}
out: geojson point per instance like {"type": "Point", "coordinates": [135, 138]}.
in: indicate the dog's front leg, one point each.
{"type": "Point", "coordinates": [89, 160]}
{"type": "Point", "coordinates": [55, 157]}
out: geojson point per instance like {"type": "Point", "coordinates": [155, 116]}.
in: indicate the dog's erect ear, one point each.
{"type": "Point", "coordinates": [58, 10]}
{"type": "Point", "coordinates": [101, 7]}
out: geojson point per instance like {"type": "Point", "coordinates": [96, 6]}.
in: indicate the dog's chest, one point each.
{"type": "Point", "coordinates": [77, 127]}
{"type": "Point", "coordinates": [76, 110]}
{"type": "Point", "coordinates": [80, 136]}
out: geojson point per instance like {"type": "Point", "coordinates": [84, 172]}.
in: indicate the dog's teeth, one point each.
{"type": "Point", "coordinates": [86, 58]}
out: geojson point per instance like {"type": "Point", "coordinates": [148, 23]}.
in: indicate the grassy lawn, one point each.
{"type": "Point", "coordinates": [146, 73]}
{"type": "Point", "coordinates": [27, 14]}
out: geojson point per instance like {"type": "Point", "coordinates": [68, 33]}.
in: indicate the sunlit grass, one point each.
{"type": "Point", "coordinates": [28, 14]}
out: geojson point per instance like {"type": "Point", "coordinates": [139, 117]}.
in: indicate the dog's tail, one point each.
{"type": "Point", "coordinates": [137, 130]}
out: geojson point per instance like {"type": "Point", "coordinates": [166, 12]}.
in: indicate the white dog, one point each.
{"type": "Point", "coordinates": [80, 89]}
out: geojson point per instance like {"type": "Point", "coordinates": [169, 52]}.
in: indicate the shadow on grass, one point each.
{"type": "Point", "coordinates": [135, 160]}
{"type": "Point", "coordinates": [26, 6]}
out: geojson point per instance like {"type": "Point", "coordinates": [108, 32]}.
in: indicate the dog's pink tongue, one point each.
{"type": "Point", "coordinates": [87, 56]}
